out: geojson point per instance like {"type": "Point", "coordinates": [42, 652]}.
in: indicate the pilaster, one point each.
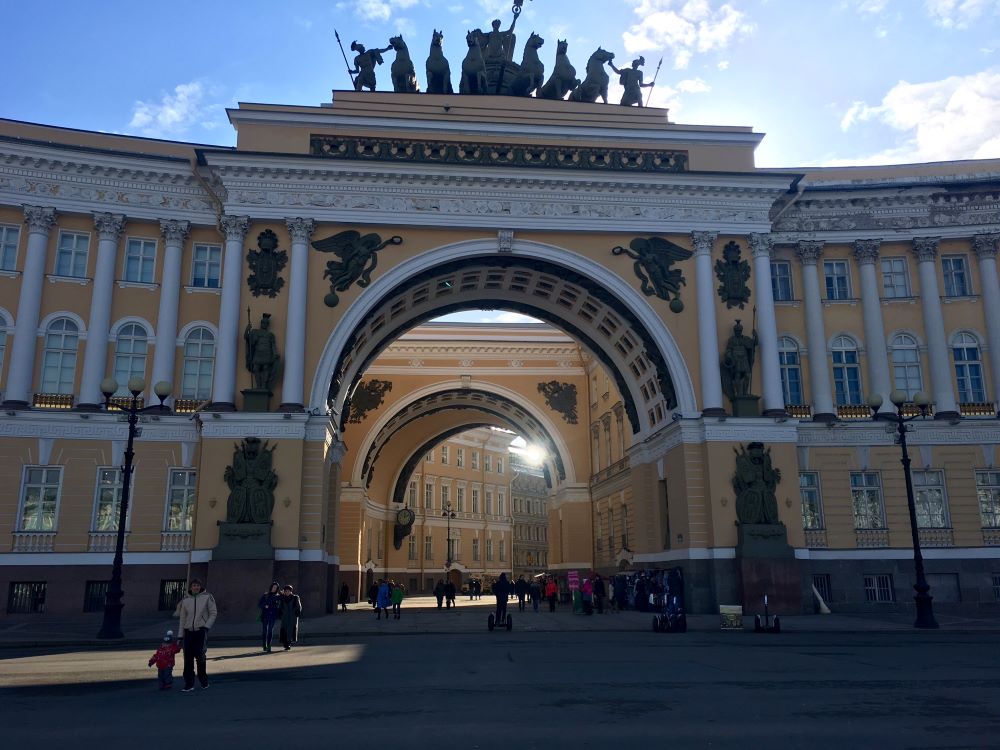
{"type": "Point", "coordinates": [708, 337]}
{"type": "Point", "coordinates": [942, 392]}
{"type": "Point", "coordinates": [767, 327]}
{"type": "Point", "coordinates": [819, 372]}
{"type": "Point", "coordinates": [293, 384]}
{"type": "Point", "coordinates": [234, 229]}
{"type": "Point", "coordinates": [866, 253]}
{"type": "Point", "coordinates": [985, 246]}
{"type": "Point", "coordinates": [174, 234]}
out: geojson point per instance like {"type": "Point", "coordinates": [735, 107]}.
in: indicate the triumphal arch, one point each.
{"type": "Point", "coordinates": [694, 392]}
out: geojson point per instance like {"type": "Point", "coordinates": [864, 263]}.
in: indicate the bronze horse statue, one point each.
{"type": "Point", "coordinates": [404, 77]}
{"type": "Point", "coordinates": [532, 71]}
{"type": "Point", "coordinates": [473, 68]}
{"type": "Point", "coordinates": [438, 70]}
{"type": "Point", "coordinates": [596, 82]}
{"type": "Point", "coordinates": [563, 78]}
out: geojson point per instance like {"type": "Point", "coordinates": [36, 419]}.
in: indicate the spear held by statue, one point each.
{"type": "Point", "coordinates": [653, 84]}
{"type": "Point", "coordinates": [349, 71]}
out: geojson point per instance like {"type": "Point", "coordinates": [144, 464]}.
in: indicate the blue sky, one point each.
{"type": "Point", "coordinates": [829, 81]}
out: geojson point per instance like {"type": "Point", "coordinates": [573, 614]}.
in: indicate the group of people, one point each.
{"type": "Point", "coordinates": [445, 593]}
{"type": "Point", "coordinates": [196, 615]}
{"type": "Point", "coordinates": [383, 595]}
{"type": "Point", "coordinates": [279, 604]}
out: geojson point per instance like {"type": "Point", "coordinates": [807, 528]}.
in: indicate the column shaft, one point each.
{"type": "Point", "coordinates": [164, 356]}
{"type": "Point", "coordinates": [767, 326]}
{"type": "Point", "coordinates": [224, 382]}
{"type": "Point", "coordinates": [293, 385]}
{"type": "Point", "coordinates": [95, 355]}
{"type": "Point", "coordinates": [708, 338]}
{"type": "Point", "coordinates": [39, 221]}
{"type": "Point", "coordinates": [819, 371]}
{"type": "Point", "coordinates": [879, 381]}
{"type": "Point", "coordinates": [942, 392]}
{"type": "Point", "coordinates": [986, 250]}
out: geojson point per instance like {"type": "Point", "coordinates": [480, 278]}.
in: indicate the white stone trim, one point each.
{"type": "Point", "coordinates": [686, 553]}
{"type": "Point", "coordinates": [186, 330]}
{"type": "Point", "coordinates": [300, 555]}
{"type": "Point", "coordinates": [70, 559]}
{"type": "Point", "coordinates": [118, 324]}
{"type": "Point", "coordinates": [271, 425]}
{"type": "Point", "coordinates": [904, 553]}
{"type": "Point", "coordinates": [201, 555]}
{"type": "Point", "coordinates": [53, 316]}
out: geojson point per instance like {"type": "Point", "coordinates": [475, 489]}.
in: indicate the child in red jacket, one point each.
{"type": "Point", "coordinates": [164, 660]}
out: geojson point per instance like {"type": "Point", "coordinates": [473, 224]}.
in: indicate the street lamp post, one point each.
{"type": "Point", "coordinates": [923, 599]}
{"type": "Point", "coordinates": [111, 626]}
{"type": "Point", "coordinates": [449, 514]}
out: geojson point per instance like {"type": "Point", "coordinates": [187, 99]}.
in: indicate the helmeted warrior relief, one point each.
{"type": "Point", "coordinates": [251, 479]}
{"type": "Point", "coordinates": [733, 272]}
{"type": "Point", "coordinates": [262, 356]}
{"type": "Point", "coordinates": [654, 257]}
{"type": "Point", "coordinates": [358, 259]}
{"type": "Point", "coordinates": [755, 483]}
{"type": "Point", "coordinates": [737, 363]}
{"type": "Point", "coordinates": [265, 265]}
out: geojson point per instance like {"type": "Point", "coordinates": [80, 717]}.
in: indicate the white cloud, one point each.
{"type": "Point", "coordinates": [686, 27]}
{"type": "Point", "coordinates": [958, 14]}
{"type": "Point", "coordinates": [381, 10]}
{"type": "Point", "coordinates": [871, 7]}
{"type": "Point", "coordinates": [693, 86]}
{"type": "Point", "coordinates": [723, 65]}
{"type": "Point", "coordinates": [955, 118]}
{"type": "Point", "coordinates": [175, 113]}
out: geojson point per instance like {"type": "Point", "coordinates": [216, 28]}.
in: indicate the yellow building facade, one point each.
{"type": "Point", "coordinates": [132, 257]}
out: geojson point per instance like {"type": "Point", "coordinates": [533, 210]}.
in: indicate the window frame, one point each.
{"type": "Point", "coordinates": [994, 488]}
{"type": "Point", "coordinates": [208, 263]}
{"type": "Point", "coordinates": [75, 254]}
{"type": "Point", "coordinates": [116, 504]}
{"type": "Point", "coordinates": [817, 489]}
{"type": "Point", "coordinates": [20, 526]}
{"type": "Point", "coordinates": [892, 276]}
{"type": "Point", "coordinates": [961, 340]}
{"type": "Point", "coordinates": [843, 380]}
{"type": "Point", "coordinates": [918, 475]}
{"type": "Point", "coordinates": [882, 589]}
{"type": "Point", "coordinates": [122, 375]}
{"type": "Point", "coordinates": [197, 393]}
{"type": "Point", "coordinates": [949, 276]}
{"type": "Point", "coordinates": [828, 276]}
{"type": "Point", "coordinates": [782, 289]}
{"type": "Point", "coordinates": [143, 260]}
{"type": "Point", "coordinates": [61, 385]}
{"type": "Point", "coordinates": [906, 366]}
{"type": "Point", "coordinates": [168, 504]}
{"type": "Point", "coordinates": [9, 249]}
{"type": "Point", "coordinates": [786, 368]}
{"type": "Point", "coordinates": [866, 487]}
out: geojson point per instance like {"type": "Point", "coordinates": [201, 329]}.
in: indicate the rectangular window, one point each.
{"type": "Point", "coordinates": [428, 496]}
{"type": "Point", "coordinates": [501, 503]}
{"type": "Point", "coordinates": [895, 281]}
{"type": "Point", "coordinates": [171, 593]}
{"type": "Point", "coordinates": [866, 500]}
{"type": "Point", "coordinates": [822, 583]}
{"type": "Point", "coordinates": [181, 500]}
{"type": "Point", "coordinates": [140, 259]}
{"type": "Point", "coordinates": [94, 593]}
{"type": "Point", "coordinates": [460, 458]}
{"type": "Point", "coordinates": [879, 588]}
{"type": "Point", "coordinates": [413, 495]}
{"type": "Point", "coordinates": [39, 499]}
{"type": "Point", "coordinates": [988, 490]}
{"type": "Point", "coordinates": [956, 277]}
{"type": "Point", "coordinates": [846, 377]}
{"type": "Point", "coordinates": [781, 281]}
{"type": "Point", "coordinates": [475, 551]}
{"type": "Point", "coordinates": [429, 457]}
{"type": "Point", "coordinates": [460, 499]}
{"type": "Point", "coordinates": [487, 462]}
{"type": "Point", "coordinates": [837, 279]}
{"type": "Point", "coordinates": [503, 550]}
{"type": "Point", "coordinates": [71, 254]}
{"type": "Point", "coordinates": [445, 495]}
{"type": "Point", "coordinates": [444, 455]}
{"type": "Point", "coordinates": [26, 598]}
{"type": "Point", "coordinates": [9, 237]}
{"type": "Point", "coordinates": [489, 503]}
{"type": "Point", "coordinates": [107, 502]}
{"type": "Point", "coordinates": [932, 510]}
{"type": "Point", "coordinates": [428, 547]}
{"type": "Point", "coordinates": [475, 500]}
{"type": "Point", "coordinates": [489, 550]}
{"type": "Point", "coordinates": [499, 465]}
{"type": "Point", "coordinates": [791, 375]}
{"type": "Point", "coordinates": [411, 548]}
{"type": "Point", "coordinates": [475, 460]}
{"type": "Point", "coordinates": [812, 506]}
{"type": "Point", "coordinates": [206, 263]}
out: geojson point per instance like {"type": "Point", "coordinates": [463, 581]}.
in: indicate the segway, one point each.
{"type": "Point", "coordinates": [491, 622]}
{"type": "Point", "coordinates": [671, 620]}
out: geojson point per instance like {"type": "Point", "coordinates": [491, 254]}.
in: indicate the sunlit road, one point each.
{"type": "Point", "coordinates": [525, 690]}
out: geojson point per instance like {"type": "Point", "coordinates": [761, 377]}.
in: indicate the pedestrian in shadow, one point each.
{"type": "Point", "coordinates": [551, 592]}
{"type": "Point", "coordinates": [535, 594]}
{"type": "Point", "coordinates": [599, 593]}
{"type": "Point", "coordinates": [449, 594]}
{"type": "Point", "coordinates": [521, 590]}
{"type": "Point", "coordinates": [439, 592]}
{"type": "Point", "coordinates": [196, 615]}
{"type": "Point", "coordinates": [373, 595]}
{"type": "Point", "coordinates": [290, 610]}
{"type": "Point", "coordinates": [344, 597]}
{"type": "Point", "coordinates": [397, 599]}
{"type": "Point", "coordinates": [268, 605]}
{"type": "Point", "coordinates": [383, 599]}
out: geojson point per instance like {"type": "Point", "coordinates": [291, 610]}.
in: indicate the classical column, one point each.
{"type": "Point", "coordinates": [866, 254]}
{"type": "Point", "coordinates": [708, 339]}
{"type": "Point", "coordinates": [986, 246]}
{"type": "Point", "coordinates": [224, 382]}
{"type": "Point", "coordinates": [942, 392]}
{"type": "Point", "coordinates": [819, 369]}
{"type": "Point", "coordinates": [39, 221]}
{"type": "Point", "coordinates": [767, 325]}
{"type": "Point", "coordinates": [293, 385]}
{"type": "Point", "coordinates": [95, 356]}
{"type": "Point", "coordinates": [174, 233]}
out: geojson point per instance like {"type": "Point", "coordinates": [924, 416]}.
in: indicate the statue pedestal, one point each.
{"type": "Point", "coordinates": [743, 406]}
{"type": "Point", "coordinates": [257, 399]}
{"type": "Point", "coordinates": [244, 541]}
{"type": "Point", "coordinates": [768, 565]}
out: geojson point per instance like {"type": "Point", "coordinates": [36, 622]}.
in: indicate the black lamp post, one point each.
{"type": "Point", "coordinates": [111, 627]}
{"type": "Point", "coordinates": [449, 514]}
{"type": "Point", "coordinates": [923, 599]}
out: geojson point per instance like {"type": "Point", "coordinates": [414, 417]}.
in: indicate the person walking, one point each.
{"type": "Point", "coordinates": [163, 658]}
{"type": "Point", "coordinates": [587, 596]}
{"type": "Point", "coordinates": [290, 610]}
{"type": "Point", "coordinates": [599, 593]}
{"type": "Point", "coordinates": [196, 615]}
{"type": "Point", "coordinates": [449, 594]}
{"type": "Point", "coordinates": [268, 605]}
{"type": "Point", "coordinates": [383, 599]}
{"type": "Point", "coordinates": [535, 594]}
{"type": "Point", "coordinates": [344, 597]}
{"type": "Point", "coordinates": [551, 592]}
{"type": "Point", "coordinates": [439, 592]}
{"type": "Point", "coordinates": [373, 594]}
{"type": "Point", "coordinates": [521, 590]}
{"type": "Point", "coordinates": [397, 599]}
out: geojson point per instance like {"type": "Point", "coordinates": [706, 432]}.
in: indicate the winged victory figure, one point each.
{"type": "Point", "coordinates": [357, 254]}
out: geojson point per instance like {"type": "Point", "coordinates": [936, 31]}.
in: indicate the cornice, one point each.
{"type": "Point", "coordinates": [979, 432]}
{"type": "Point", "coordinates": [101, 426]}
{"type": "Point", "coordinates": [86, 182]}
{"type": "Point", "coordinates": [539, 351]}
{"type": "Point", "coordinates": [237, 425]}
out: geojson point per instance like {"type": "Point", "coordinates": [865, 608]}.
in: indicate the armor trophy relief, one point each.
{"type": "Point", "coordinates": [246, 532]}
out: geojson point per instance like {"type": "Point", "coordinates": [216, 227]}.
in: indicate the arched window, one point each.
{"type": "Point", "coordinates": [59, 360]}
{"type": "Point", "coordinates": [791, 374]}
{"type": "Point", "coordinates": [130, 355]}
{"type": "Point", "coordinates": [906, 365]}
{"type": "Point", "coordinates": [199, 362]}
{"type": "Point", "coordinates": [846, 371]}
{"type": "Point", "coordinates": [968, 369]}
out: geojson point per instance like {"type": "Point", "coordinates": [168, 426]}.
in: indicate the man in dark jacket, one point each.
{"type": "Point", "coordinates": [599, 593]}
{"type": "Point", "coordinates": [449, 594]}
{"type": "Point", "coordinates": [521, 591]}
{"type": "Point", "coordinates": [501, 589]}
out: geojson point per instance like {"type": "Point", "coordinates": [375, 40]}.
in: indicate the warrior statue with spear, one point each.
{"type": "Point", "coordinates": [363, 74]}
{"type": "Point", "coordinates": [631, 79]}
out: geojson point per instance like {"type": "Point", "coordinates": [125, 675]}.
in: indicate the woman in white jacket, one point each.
{"type": "Point", "coordinates": [197, 613]}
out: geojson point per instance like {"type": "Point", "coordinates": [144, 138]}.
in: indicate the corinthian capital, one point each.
{"type": "Point", "coordinates": [174, 230]}
{"type": "Point", "coordinates": [985, 245]}
{"type": "Point", "coordinates": [925, 248]}
{"type": "Point", "coordinates": [760, 245]}
{"type": "Point", "coordinates": [809, 252]}
{"type": "Point", "coordinates": [39, 218]}
{"type": "Point", "coordinates": [234, 227]}
{"type": "Point", "coordinates": [109, 226]}
{"type": "Point", "coordinates": [300, 229]}
{"type": "Point", "coordinates": [866, 251]}
{"type": "Point", "coordinates": [703, 241]}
